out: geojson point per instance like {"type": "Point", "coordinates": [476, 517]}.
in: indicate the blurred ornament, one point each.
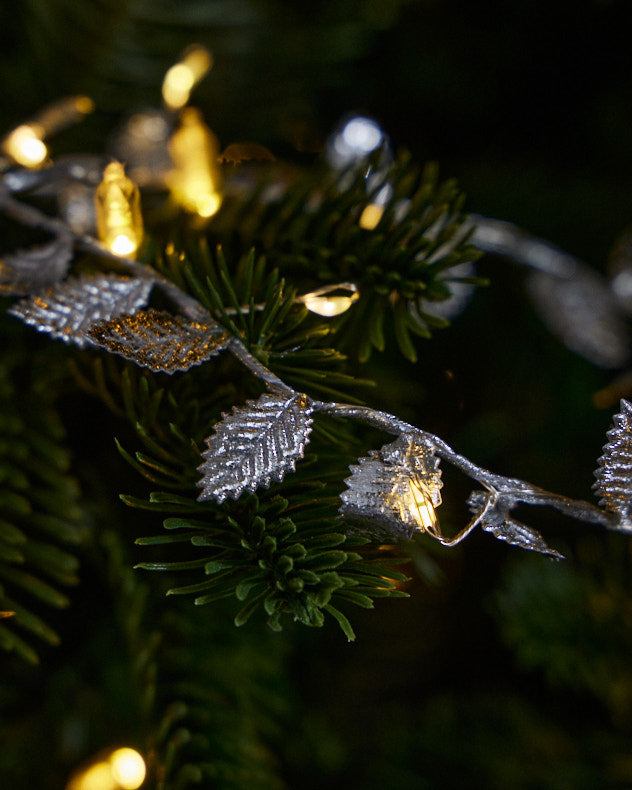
{"type": "Point", "coordinates": [31, 270]}
{"type": "Point", "coordinates": [183, 76]}
{"type": "Point", "coordinates": [120, 769]}
{"type": "Point", "coordinates": [460, 293]}
{"type": "Point", "coordinates": [118, 214]}
{"type": "Point", "coordinates": [582, 311]}
{"type": "Point", "coordinates": [142, 145]}
{"type": "Point", "coordinates": [77, 209]}
{"type": "Point", "coordinates": [237, 153]}
{"type": "Point", "coordinates": [195, 178]}
{"type": "Point", "coordinates": [620, 268]}
{"type": "Point", "coordinates": [330, 300]}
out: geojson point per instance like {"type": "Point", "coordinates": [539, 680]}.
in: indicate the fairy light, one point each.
{"type": "Point", "coordinates": [183, 76]}
{"type": "Point", "coordinates": [371, 216]}
{"type": "Point", "coordinates": [121, 769]}
{"type": "Point", "coordinates": [25, 145]}
{"type": "Point", "coordinates": [128, 768]}
{"type": "Point", "coordinates": [331, 300]}
{"type": "Point", "coordinates": [195, 177]}
{"type": "Point", "coordinates": [425, 500]}
{"type": "Point", "coordinates": [118, 214]}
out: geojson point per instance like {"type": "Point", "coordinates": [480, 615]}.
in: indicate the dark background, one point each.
{"type": "Point", "coordinates": [508, 670]}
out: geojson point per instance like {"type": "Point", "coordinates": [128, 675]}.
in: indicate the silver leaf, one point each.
{"type": "Point", "coordinates": [160, 341]}
{"type": "Point", "coordinates": [31, 270]}
{"type": "Point", "coordinates": [394, 492]}
{"type": "Point", "coordinates": [498, 521]}
{"type": "Point", "coordinates": [614, 473]}
{"type": "Point", "coordinates": [583, 312]}
{"type": "Point", "coordinates": [254, 445]}
{"type": "Point", "coordinates": [68, 309]}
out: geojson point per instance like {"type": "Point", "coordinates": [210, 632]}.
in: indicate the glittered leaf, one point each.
{"type": "Point", "coordinates": [254, 445]}
{"type": "Point", "coordinates": [498, 521]}
{"type": "Point", "coordinates": [583, 312]}
{"type": "Point", "coordinates": [160, 341]}
{"type": "Point", "coordinates": [67, 310]}
{"type": "Point", "coordinates": [394, 492]}
{"type": "Point", "coordinates": [614, 473]}
{"type": "Point", "coordinates": [31, 270]}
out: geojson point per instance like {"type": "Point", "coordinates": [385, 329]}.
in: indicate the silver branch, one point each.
{"type": "Point", "coordinates": [396, 489]}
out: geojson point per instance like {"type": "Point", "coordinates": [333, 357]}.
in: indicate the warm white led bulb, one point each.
{"type": "Point", "coordinates": [128, 768]}
{"type": "Point", "coordinates": [25, 146]}
{"type": "Point", "coordinates": [331, 300]}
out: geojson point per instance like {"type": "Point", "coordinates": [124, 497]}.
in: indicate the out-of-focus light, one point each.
{"type": "Point", "coordinates": [195, 178]}
{"type": "Point", "coordinates": [331, 300]}
{"type": "Point", "coordinates": [371, 216]}
{"type": "Point", "coordinates": [354, 140]}
{"type": "Point", "coordinates": [25, 145]}
{"type": "Point", "coordinates": [118, 214]}
{"type": "Point", "coordinates": [122, 769]}
{"type": "Point", "coordinates": [63, 113]}
{"type": "Point", "coordinates": [128, 768]}
{"type": "Point", "coordinates": [182, 77]}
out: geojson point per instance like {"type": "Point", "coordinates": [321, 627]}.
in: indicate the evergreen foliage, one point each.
{"type": "Point", "coordinates": [41, 521]}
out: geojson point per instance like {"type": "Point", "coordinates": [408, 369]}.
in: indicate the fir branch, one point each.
{"type": "Point", "coordinates": [293, 566]}
{"type": "Point", "coordinates": [201, 719]}
{"type": "Point", "coordinates": [42, 522]}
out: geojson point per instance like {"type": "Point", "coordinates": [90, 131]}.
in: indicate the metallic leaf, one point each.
{"type": "Point", "coordinates": [67, 310]}
{"type": "Point", "coordinates": [394, 492]}
{"type": "Point", "coordinates": [254, 445]}
{"type": "Point", "coordinates": [31, 270]}
{"type": "Point", "coordinates": [584, 313]}
{"type": "Point", "coordinates": [498, 521]}
{"type": "Point", "coordinates": [614, 473]}
{"type": "Point", "coordinates": [160, 341]}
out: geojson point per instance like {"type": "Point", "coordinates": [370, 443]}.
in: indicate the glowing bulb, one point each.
{"type": "Point", "coordinates": [331, 300]}
{"type": "Point", "coordinates": [371, 216]}
{"type": "Point", "coordinates": [117, 206]}
{"type": "Point", "coordinates": [128, 768]}
{"type": "Point", "coordinates": [25, 146]}
{"type": "Point", "coordinates": [195, 177]}
{"type": "Point", "coordinates": [354, 140]}
{"type": "Point", "coordinates": [122, 769]}
{"type": "Point", "coordinates": [181, 78]}
{"type": "Point", "coordinates": [123, 245]}
{"type": "Point", "coordinates": [424, 510]}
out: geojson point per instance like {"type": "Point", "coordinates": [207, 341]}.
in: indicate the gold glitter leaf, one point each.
{"type": "Point", "coordinates": [160, 341]}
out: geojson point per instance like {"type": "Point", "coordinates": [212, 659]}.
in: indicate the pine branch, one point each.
{"type": "Point", "coordinates": [41, 523]}
{"type": "Point", "coordinates": [188, 695]}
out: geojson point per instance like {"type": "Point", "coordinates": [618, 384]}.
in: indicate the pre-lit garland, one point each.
{"type": "Point", "coordinates": [392, 493]}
